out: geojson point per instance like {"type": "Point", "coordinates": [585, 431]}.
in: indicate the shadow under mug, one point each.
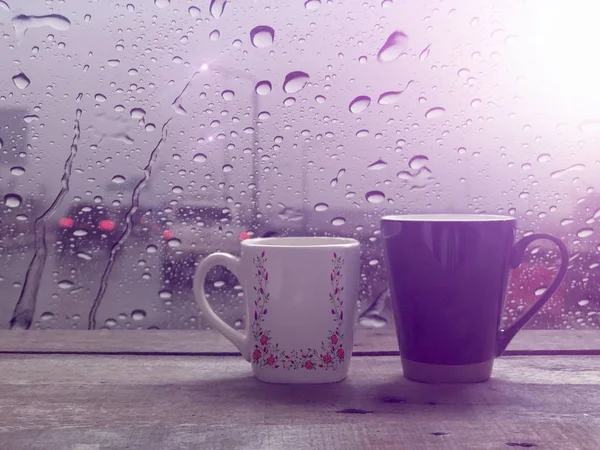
{"type": "Point", "coordinates": [448, 277]}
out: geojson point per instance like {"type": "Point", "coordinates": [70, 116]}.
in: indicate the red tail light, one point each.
{"type": "Point", "coordinates": [168, 234]}
{"type": "Point", "coordinates": [65, 222]}
{"type": "Point", "coordinates": [106, 225]}
{"type": "Point", "coordinates": [244, 235]}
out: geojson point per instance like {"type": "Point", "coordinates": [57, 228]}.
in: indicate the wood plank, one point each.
{"type": "Point", "coordinates": [207, 342]}
{"type": "Point", "coordinates": [157, 402]}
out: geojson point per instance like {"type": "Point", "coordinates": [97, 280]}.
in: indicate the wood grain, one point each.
{"type": "Point", "coordinates": [159, 402]}
{"type": "Point", "coordinates": [367, 342]}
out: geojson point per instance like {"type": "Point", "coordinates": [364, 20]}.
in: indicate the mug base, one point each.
{"type": "Point", "coordinates": [281, 377]}
{"type": "Point", "coordinates": [444, 373]}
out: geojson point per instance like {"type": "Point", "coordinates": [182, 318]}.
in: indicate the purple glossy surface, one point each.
{"type": "Point", "coordinates": [448, 282]}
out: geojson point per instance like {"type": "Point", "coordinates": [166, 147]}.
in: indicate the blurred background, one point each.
{"type": "Point", "coordinates": [139, 136]}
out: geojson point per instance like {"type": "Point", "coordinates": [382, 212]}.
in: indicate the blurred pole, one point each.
{"type": "Point", "coordinates": [305, 205]}
{"type": "Point", "coordinates": [254, 210]}
{"type": "Point", "coordinates": [253, 222]}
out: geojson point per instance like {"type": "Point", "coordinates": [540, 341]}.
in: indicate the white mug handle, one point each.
{"type": "Point", "coordinates": [232, 263]}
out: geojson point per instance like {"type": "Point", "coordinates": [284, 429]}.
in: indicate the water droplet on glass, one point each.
{"type": "Point", "coordinates": [79, 232]}
{"type": "Point", "coordinates": [162, 3]}
{"type": "Point", "coordinates": [137, 113]}
{"type": "Point", "coordinates": [118, 179]}
{"type": "Point", "coordinates": [362, 133]}
{"type": "Point", "coordinates": [264, 115]}
{"type": "Point", "coordinates": [152, 249]}
{"type": "Point", "coordinates": [320, 207]}
{"type": "Point", "coordinates": [113, 62]}
{"type": "Point", "coordinates": [418, 161]}
{"type": "Point", "coordinates": [237, 324]}
{"type": "Point", "coordinates": [338, 221]}
{"type": "Point", "coordinates": [227, 168]}
{"type": "Point", "coordinates": [476, 103]}
{"type": "Point", "coordinates": [391, 97]}
{"type": "Point", "coordinates": [583, 302]}
{"type": "Point", "coordinates": [22, 23]}
{"type": "Point", "coordinates": [377, 165]}
{"type": "Point", "coordinates": [435, 112]}
{"type": "Point", "coordinates": [21, 81]}
{"type": "Point", "coordinates": [46, 316]}
{"type": "Point", "coordinates": [312, 5]}
{"type": "Point", "coordinates": [262, 36]}
{"type": "Point", "coordinates": [65, 284]}
{"type": "Point", "coordinates": [228, 95]}
{"type": "Point", "coordinates": [372, 321]}
{"type": "Point", "coordinates": [165, 294]}
{"type": "Point", "coordinates": [289, 101]}
{"type": "Point", "coordinates": [290, 214]}
{"type": "Point", "coordinates": [12, 200]}
{"type": "Point", "coordinates": [138, 314]}
{"type": "Point", "coordinates": [194, 11]}
{"type": "Point", "coordinates": [214, 35]}
{"type": "Point", "coordinates": [219, 284]}
{"type": "Point", "coordinates": [463, 73]}
{"type": "Point", "coordinates": [393, 47]}
{"type": "Point", "coordinates": [199, 158]}
{"type": "Point", "coordinates": [17, 171]}
{"type": "Point", "coordinates": [177, 190]}
{"type": "Point", "coordinates": [130, 7]}
{"type": "Point", "coordinates": [295, 81]}
{"type": "Point", "coordinates": [84, 256]}
{"type": "Point", "coordinates": [585, 232]}
{"type": "Point", "coordinates": [174, 242]}
{"type": "Point", "coordinates": [425, 53]}
{"type": "Point", "coordinates": [540, 291]}
{"type": "Point", "coordinates": [561, 172]}
{"type": "Point", "coordinates": [320, 99]}
{"type": "Point", "coordinates": [263, 87]}
{"type": "Point", "coordinates": [110, 323]}
{"type": "Point", "coordinates": [359, 104]}
{"type": "Point", "coordinates": [217, 7]}
{"type": "Point", "coordinates": [543, 158]}
{"type": "Point", "coordinates": [100, 98]}
{"type": "Point", "coordinates": [375, 196]}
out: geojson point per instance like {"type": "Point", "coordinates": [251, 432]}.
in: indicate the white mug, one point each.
{"type": "Point", "coordinates": [301, 295]}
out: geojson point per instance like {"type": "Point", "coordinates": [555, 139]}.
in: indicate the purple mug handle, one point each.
{"type": "Point", "coordinates": [516, 257]}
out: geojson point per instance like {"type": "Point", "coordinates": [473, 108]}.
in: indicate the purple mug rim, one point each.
{"type": "Point", "coordinates": [448, 218]}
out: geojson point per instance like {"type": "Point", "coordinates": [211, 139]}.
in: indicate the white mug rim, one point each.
{"type": "Point", "coordinates": [301, 242]}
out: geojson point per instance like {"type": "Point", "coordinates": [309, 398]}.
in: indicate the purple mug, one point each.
{"type": "Point", "coordinates": [448, 275]}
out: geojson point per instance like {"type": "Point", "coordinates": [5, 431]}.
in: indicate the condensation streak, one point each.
{"type": "Point", "coordinates": [25, 307]}
{"type": "Point", "coordinates": [135, 203]}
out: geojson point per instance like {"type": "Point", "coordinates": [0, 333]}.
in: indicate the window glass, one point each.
{"type": "Point", "coordinates": [139, 136]}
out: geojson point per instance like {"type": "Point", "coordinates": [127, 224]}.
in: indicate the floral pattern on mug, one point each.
{"type": "Point", "coordinates": [267, 353]}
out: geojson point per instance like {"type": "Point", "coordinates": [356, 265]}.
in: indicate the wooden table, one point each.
{"type": "Point", "coordinates": [182, 389]}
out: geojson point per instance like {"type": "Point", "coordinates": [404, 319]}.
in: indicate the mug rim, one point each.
{"type": "Point", "coordinates": [302, 242]}
{"type": "Point", "coordinates": [448, 217]}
